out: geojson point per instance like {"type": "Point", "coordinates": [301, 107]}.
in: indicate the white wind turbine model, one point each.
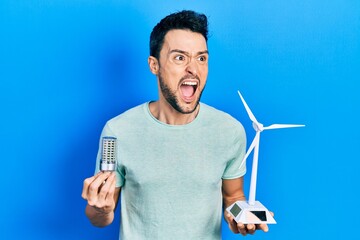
{"type": "Point", "coordinates": [252, 211]}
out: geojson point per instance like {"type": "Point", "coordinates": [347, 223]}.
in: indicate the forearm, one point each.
{"type": "Point", "coordinates": [228, 200]}
{"type": "Point", "coordinates": [98, 218]}
{"type": "Point", "coordinates": [232, 191]}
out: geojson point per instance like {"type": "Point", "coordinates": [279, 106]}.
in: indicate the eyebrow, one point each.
{"type": "Point", "coordinates": [187, 53]}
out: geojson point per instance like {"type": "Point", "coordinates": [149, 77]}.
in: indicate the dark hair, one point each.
{"type": "Point", "coordinates": [186, 19]}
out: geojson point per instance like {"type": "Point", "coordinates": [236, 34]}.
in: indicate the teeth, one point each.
{"type": "Point", "coordinates": [190, 83]}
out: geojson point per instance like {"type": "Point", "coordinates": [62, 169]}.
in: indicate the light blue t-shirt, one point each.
{"type": "Point", "coordinates": [171, 175]}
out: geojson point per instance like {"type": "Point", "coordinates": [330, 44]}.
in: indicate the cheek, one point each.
{"type": "Point", "coordinates": [173, 74]}
{"type": "Point", "coordinates": [203, 73]}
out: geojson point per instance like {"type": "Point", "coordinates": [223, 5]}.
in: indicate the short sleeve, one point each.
{"type": "Point", "coordinates": [234, 167]}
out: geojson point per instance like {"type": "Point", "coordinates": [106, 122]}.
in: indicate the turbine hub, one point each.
{"type": "Point", "coordinates": [258, 127]}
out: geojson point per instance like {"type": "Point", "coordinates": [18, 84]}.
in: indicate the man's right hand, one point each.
{"type": "Point", "coordinates": [99, 192]}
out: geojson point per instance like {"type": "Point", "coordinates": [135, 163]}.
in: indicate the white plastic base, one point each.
{"type": "Point", "coordinates": [245, 213]}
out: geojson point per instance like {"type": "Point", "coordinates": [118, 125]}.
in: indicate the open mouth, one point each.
{"type": "Point", "coordinates": [188, 88]}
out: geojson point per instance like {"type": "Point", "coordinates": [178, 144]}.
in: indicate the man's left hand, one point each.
{"type": "Point", "coordinates": [244, 229]}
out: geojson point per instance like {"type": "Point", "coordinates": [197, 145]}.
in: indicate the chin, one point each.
{"type": "Point", "coordinates": [189, 108]}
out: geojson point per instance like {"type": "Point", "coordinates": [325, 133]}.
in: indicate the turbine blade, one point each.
{"type": "Point", "coordinates": [276, 126]}
{"type": "Point", "coordinates": [251, 115]}
{"type": "Point", "coordinates": [252, 146]}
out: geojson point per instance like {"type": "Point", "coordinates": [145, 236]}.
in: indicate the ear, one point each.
{"type": "Point", "coordinates": [153, 65]}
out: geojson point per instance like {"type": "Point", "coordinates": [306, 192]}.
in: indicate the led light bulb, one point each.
{"type": "Point", "coordinates": [108, 154]}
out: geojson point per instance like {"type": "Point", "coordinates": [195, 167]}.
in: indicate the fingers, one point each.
{"type": "Point", "coordinates": [245, 229]}
{"type": "Point", "coordinates": [97, 188]}
{"type": "Point", "coordinates": [263, 227]}
{"type": "Point", "coordinates": [108, 188]}
{"type": "Point", "coordinates": [250, 228]}
{"type": "Point", "coordinates": [86, 185]}
{"type": "Point", "coordinates": [241, 228]}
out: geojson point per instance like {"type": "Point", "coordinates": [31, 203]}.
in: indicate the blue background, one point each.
{"type": "Point", "coordinates": [68, 66]}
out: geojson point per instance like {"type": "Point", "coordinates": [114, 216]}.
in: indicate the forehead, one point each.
{"type": "Point", "coordinates": [184, 40]}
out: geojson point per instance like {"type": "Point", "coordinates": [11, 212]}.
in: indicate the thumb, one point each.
{"type": "Point", "coordinates": [231, 222]}
{"type": "Point", "coordinates": [228, 217]}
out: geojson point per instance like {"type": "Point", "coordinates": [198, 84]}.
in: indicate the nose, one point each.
{"type": "Point", "coordinates": [192, 67]}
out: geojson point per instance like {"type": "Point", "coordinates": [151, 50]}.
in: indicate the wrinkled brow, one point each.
{"type": "Point", "coordinates": [187, 53]}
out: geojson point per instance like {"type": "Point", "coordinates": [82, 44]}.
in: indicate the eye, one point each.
{"type": "Point", "coordinates": [202, 58]}
{"type": "Point", "coordinates": [179, 58]}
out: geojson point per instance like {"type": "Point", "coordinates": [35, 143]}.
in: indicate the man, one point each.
{"type": "Point", "coordinates": [178, 159]}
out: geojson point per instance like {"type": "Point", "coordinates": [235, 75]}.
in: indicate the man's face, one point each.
{"type": "Point", "coordinates": [183, 69]}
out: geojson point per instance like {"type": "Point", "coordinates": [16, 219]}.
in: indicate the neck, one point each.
{"type": "Point", "coordinates": [165, 113]}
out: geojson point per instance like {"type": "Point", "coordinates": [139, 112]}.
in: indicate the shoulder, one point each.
{"type": "Point", "coordinates": [217, 117]}
{"type": "Point", "coordinates": [126, 118]}
{"type": "Point", "coordinates": [220, 125]}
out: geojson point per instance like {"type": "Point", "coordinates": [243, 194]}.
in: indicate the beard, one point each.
{"type": "Point", "coordinates": [171, 98]}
